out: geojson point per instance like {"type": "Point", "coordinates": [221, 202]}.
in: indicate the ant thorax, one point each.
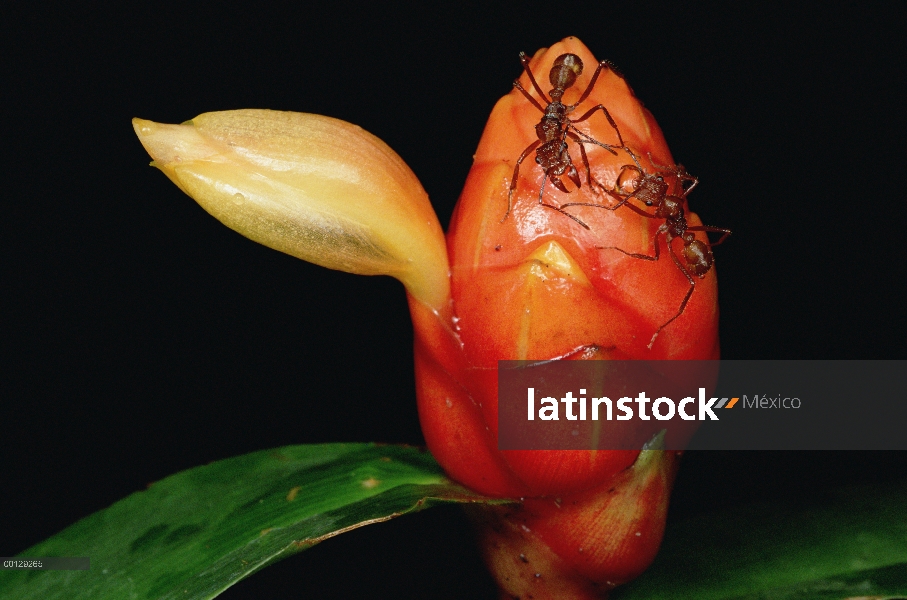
{"type": "Point", "coordinates": [548, 128]}
{"type": "Point", "coordinates": [671, 208]}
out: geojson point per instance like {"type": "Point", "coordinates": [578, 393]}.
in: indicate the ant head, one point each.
{"type": "Point", "coordinates": [565, 70]}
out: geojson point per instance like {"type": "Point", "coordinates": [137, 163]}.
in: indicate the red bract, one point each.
{"type": "Point", "coordinates": [536, 285]}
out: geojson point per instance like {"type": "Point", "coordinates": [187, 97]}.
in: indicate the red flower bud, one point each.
{"type": "Point", "coordinates": [540, 282]}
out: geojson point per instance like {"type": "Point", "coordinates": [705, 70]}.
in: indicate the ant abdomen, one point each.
{"type": "Point", "coordinates": [564, 71]}
{"type": "Point", "coordinates": [698, 255]}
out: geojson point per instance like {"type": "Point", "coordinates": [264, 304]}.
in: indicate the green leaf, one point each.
{"type": "Point", "coordinates": [196, 533]}
{"type": "Point", "coordinates": [851, 543]}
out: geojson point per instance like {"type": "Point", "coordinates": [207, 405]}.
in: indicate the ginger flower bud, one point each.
{"type": "Point", "coordinates": [556, 279]}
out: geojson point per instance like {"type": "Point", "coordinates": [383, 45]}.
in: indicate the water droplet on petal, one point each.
{"type": "Point", "coordinates": [238, 198]}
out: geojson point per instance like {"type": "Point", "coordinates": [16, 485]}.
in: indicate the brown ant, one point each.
{"type": "Point", "coordinates": [555, 127]}
{"type": "Point", "coordinates": [652, 190]}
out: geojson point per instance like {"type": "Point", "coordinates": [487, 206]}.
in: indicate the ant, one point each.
{"type": "Point", "coordinates": [555, 127]}
{"type": "Point", "coordinates": [652, 190]}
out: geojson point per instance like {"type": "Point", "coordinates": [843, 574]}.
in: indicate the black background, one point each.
{"type": "Point", "coordinates": [142, 337]}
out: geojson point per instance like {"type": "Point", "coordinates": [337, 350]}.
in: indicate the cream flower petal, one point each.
{"type": "Point", "coordinates": [317, 188]}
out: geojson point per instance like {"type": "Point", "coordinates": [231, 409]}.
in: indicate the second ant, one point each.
{"type": "Point", "coordinates": [652, 190]}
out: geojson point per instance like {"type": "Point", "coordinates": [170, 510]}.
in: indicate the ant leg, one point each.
{"type": "Point", "coordinates": [524, 60]}
{"type": "Point", "coordinates": [583, 138]}
{"type": "Point", "coordinates": [572, 174]}
{"type": "Point", "coordinates": [674, 258]}
{"type": "Point", "coordinates": [557, 208]}
{"type": "Point", "coordinates": [516, 85]}
{"type": "Point", "coordinates": [566, 214]}
{"type": "Point", "coordinates": [675, 168]}
{"type": "Point", "coordinates": [598, 70]}
{"type": "Point", "coordinates": [601, 107]}
{"type": "Point", "coordinates": [686, 298]}
{"type": "Point", "coordinates": [584, 352]}
{"type": "Point", "coordinates": [622, 202]}
{"type": "Point", "coordinates": [588, 139]}
{"type": "Point", "coordinates": [688, 177]}
{"type": "Point", "coordinates": [679, 171]}
{"type": "Point", "coordinates": [683, 305]}
{"type": "Point", "coordinates": [725, 232]}
{"type": "Point", "coordinates": [642, 256]}
{"type": "Point", "coordinates": [516, 172]}
{"type": "Point", "coordinates": [582, 152]}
